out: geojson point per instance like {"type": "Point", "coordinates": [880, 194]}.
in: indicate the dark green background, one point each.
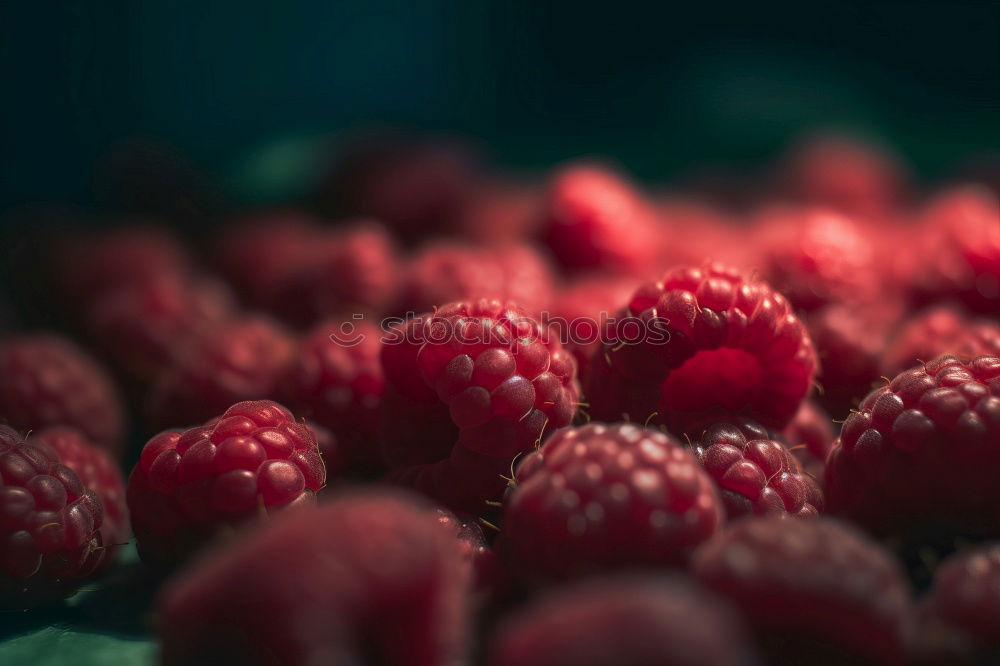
{"type": "Point", "coordinates": [240, 86]}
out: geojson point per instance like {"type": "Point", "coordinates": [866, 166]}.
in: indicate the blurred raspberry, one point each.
{"type": "Point", "coordinates": [469, 388]}
{"type": "Point", "coordinates": [50, 536]}
{"type": "Point", "coordinates": [754, 473]}
{"type": "Point", "coordinates": [336, 380]}
{"type": "Point", "coordinates": [500, 212]}
{"type": "Point", "coordinates": [473, 548]}
{"type": "Point", "coordinates": [47, 380]}
{"type": "Point", "coordinates": [810, 438]}
{"type": "Point", "coordinates": [365, 579]}
{"type": "Point", "coordinates": [694, 231]}
{"type": "Point", "coordinates": [921, 455]}
{"type": "Point", "coordinates": [602, 497]}
{"type": "Point", "coordinates": [814, 591]}
{"type": "Point", "coordinates": [939, 330]}
{"type": "Point", "coordinates": [446, 272]}
{"type": "Point", "coordinates": [580, 310]}
{"type": "Point", "coordinates": [698, 346]}
{"type": "Point", "coordinates": [191, 486]}
{"type": "Point", "coordinates": [636, 621]}
{"type": "Point", "coordinates": [241, 359]}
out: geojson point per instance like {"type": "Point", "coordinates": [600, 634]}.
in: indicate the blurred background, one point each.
{"type": "Point", "coordinates": [254, 93]}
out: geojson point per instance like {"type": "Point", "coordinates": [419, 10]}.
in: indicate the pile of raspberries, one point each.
{"type": "Point", "coordinates": [440, 416]}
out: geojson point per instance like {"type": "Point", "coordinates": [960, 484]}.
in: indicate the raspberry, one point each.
{"type": "Point", "coordinates": [959, 618]}
{"type": "Point", "coordinates": [594, 219]}
{"type": "Point", "coordinates": [754, 473]}
{"type": "Point", "coordinates": [469, 388]}
{"type": "Point", "coordinates": [473, 547]}
{"type": "Point", "coordinates": [937, 331]}
{"type": "Point", "coordinates": [240, 359]}
{"type": "Point", "coordinates": [364, 579]}
{"type": "Point", "coordinates": [142, 323]}
{"type": "Point", "coordinates": [627, 621]}
{"type": "Point", "coordinates": [336, 380]}
{"type": "Point", "coordinates": [445, 272]}
{"type": "Point", "coordinates": [922, 453]}
{"type": "Point", "coordinates": [583, 307]}
{"type": "Point", "coordinates": [190, 485]}
{"type": "Point", "coordinates": [810, 437]}
{"type": "Point", "coordinates": [498, 212]}
{"type": "Point", "coordinates": [814, 591]}
{"type": "Point", "coordinates": [98, 472]}
{"type": "Point", "coordinates": [50, 525]}
{"type": "Point", "coordinates": [706, 344]}
{"type": "Point", "coordinates": [601, 497]}
{"type": "Point", "coordinates": [47, 380]}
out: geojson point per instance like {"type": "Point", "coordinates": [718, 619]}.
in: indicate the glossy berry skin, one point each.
{"type": "Point", "coordinates": [336, 380]}
{"type": "Point", "coordinates": [810, 437]}
{"type": "Point", "coordinates": [97, 471]}
{"type": "Point", "coordinates": [959, 618]}
{"type": "Point", "coordinates": [624, 621]}
{"type": "Point", "coordinates": [814, 591]}
{"type": "Point", "coordinates": [939, 330]}
{"type": "Point", "coordinates": [191, 485]}
{"type": "Point", "coordinates": [50, 525]}
{"type": "Point", "coordinates": [47, 380]}
{"type": "Point", "coordinates": [365, 579]}
{"type": "Point", "coordinates": [921, 454]}
{"type": "Point", "coordinates": [706, 343]}
{"type": "Point", "coordinates": [602, 497]}
{"type": "Point", "coordinates": [755, 473]}
{"type": "Point", "coordinates": [469, 389]}
{"type": "Point", "coordinates": [241, 359]}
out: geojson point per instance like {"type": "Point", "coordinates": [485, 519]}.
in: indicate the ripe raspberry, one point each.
{"type": "Point", "coordinates": [98, 472]}
{"type": "Point", "coordinates": [364, 579]}
{"type": "Point", "coordinates": [810, 438]}
{"type": "Point", "coordinates": [498, 212]}
{"type": "Point", "coordinates": [600, 497]}
{"type": "Point", "coordinates": [937, 331]}
{"type": "Point", "coordinates": [469, 388]}
{"type": "Point", "coordinates": [815, 591]}
{"type": "Point", "coordinates": [336, 380]}
{"type": "Point", "coordinates": [754, 473]}
{"type": "Point", "coordinates": [141, 324]}
{"type": "Point", "coordinates": [240, 359]}
{"type": "Point", "coordinates": [706, 344]}
{"type": "Point", "coordinates": [47, 380]}
{"type": "Point", "coordinates": [446, 272]}
{"type": "Point", "coordinates": [190, 485]}
{"type": "Point", "coordinates": [581, 309]}
{"type": "Point", "coordinates": [594, 219]}
{"type": "Point", "coordinates": [959, 618]}
{"type": "Point", "coordinates": [629, 621]}
{"type": "Point", "coordinates": [50, 524]}
{"type": "Point", "coordinates": [476, 553]}
{"type": "Point", "coordinates": [922, 453]}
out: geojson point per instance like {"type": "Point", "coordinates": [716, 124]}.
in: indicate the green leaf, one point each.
{"type": "Point", "coordinates": [59, 646]}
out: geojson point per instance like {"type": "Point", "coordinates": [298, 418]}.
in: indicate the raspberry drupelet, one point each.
{"type": "Point", "coordinates": [469, 388]}
{"type": "Point", "coordinates": [191, 485]}
{"type": "Point", "coordinates": [700, 345]}
{"type": "Point", "coordinates": [601, 497]}
{"type": "Point", "coordinates": [921, 454]}
{"type": "Point", "coordinates": [810, 437]}
{"type": "Point", "coordinates": [50, 525]}
{"type": "Point", "coordinates": [755, 473]}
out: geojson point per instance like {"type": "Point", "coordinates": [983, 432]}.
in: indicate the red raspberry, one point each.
{"type": "Point", "coordinates": [50, 524]}
{"type": "Point", "coordinates": [960, 616]}
{"type": "Point", "coordinates": [241, 359]}
{"type": "Point", "coordinates": [191, 484]}
{"type": "Point", "coordinates": [98, 472]}
{"type": "Point", "coordinates": [469, 388]}
{"type": "Point", "coordinates": [364, 579]}
{"type": "Point", "coordinates": [141, 324]}
{"type": "Point", "coordinates": [582, 308]}
{"type": "Point", "coordinates": [47, 380]}
{"type": "Point", "coordinates": [599, 497]}
{"type": "Point", "coordinates": [937, 331]}
{"type": "Point", "coordinates": [594, 219]}
{"type": "Point", "coordinates": [815, 591]}
{"type": "Point", "coordinates": [633, 621]}
{"type": "Point", "coordinates": [754, 473]}
{"type": "Point", "coordinates": [476, 553]}
{"type": "Point", "coordinates": [810, 437]}
{"type": "Point", "coordinates": [336, 380]}
{"type": "Point", "coordinates": [698, 346]}
{"type": "Point", "coordinates": [922, 453]}
{"type": "Point", "coordinates": [498, 212]}
{"type": "Point", "coordinates": [445, 272]}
